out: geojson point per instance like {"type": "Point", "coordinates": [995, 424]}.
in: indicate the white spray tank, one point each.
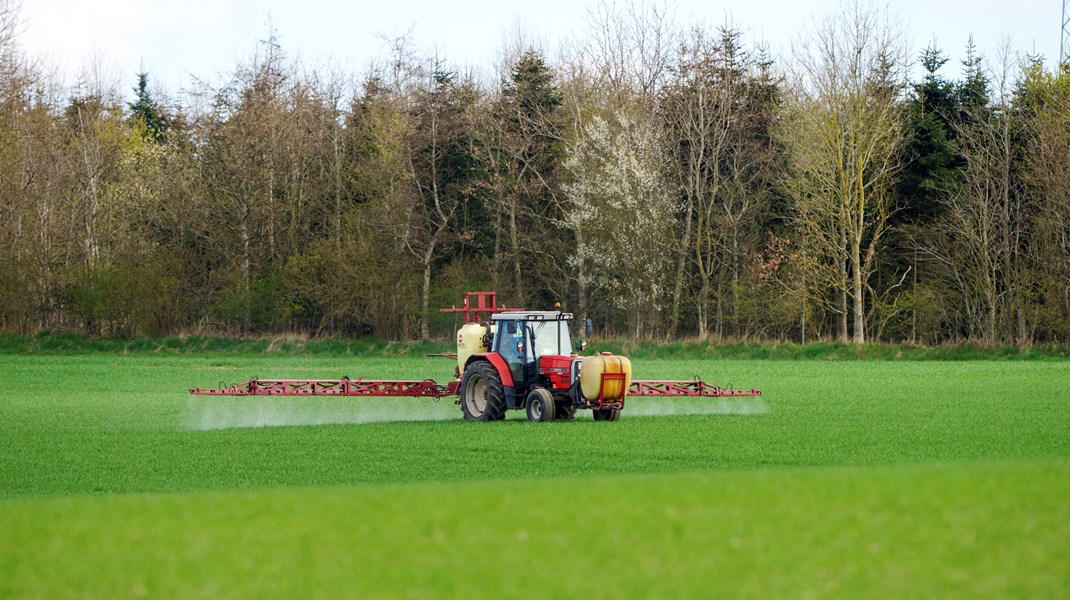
{"type": "Point", "coordinates": [471, 339]}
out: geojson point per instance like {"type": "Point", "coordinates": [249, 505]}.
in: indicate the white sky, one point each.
{"type": "Point", "coordinates": [176, 40]}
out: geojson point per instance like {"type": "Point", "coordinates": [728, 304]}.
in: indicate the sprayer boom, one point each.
{"type": "Point", "coordinates": [345, 386]}
{"type": "Point", "coordinates": [428, 388]}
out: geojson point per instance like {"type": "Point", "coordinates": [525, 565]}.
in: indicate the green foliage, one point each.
{"type": "Point", "coordinates": [973, 92]}
{"type": "Point", "coordinates": [531, 89]}
{"type": "Point", "coordinates": [127, 298]}
{"type": "Point", "coordinates": [262, 307]}
{"type": "Point", "coordinates": [60, 343]}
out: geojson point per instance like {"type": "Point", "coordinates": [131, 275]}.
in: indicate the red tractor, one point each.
{"type": "Point", "coordinates": [525, 360]}
{"type": "Point", "coordinates": [508, 358]}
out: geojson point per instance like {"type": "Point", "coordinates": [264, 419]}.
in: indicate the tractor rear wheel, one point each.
{"type": "Point", "coordinates": [482, 393]}
{"type": "Point", "coordinates": [606, 414]}
{"type": "Point", "coordinates": [540, 405]}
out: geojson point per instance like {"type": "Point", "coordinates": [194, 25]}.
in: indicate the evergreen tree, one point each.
{"type": "Point", "coordinates": [524, 158]}
{"type": "Point", "coordinates": [973, 91]}
{"type": "Point", "coordinates": [933, 164]}
{"type": "Point", "coordinates": [148, 112]}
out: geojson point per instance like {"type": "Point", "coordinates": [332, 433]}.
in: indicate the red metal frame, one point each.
{"type": "Point", "coordinates": [600, 402]}
{"type": "Point", "coordinates": [685, 388]}
{"type": "Point", "coordinates": [342, 387]}
{"type": "Point", "coordinates": [428, 388]}
{"type": "Point", "coordinates": [486, 304]}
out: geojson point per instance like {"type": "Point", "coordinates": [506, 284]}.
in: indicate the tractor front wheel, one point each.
{"type": "Point", "coordinates": [540, 406]}
{"type": "Point", "coordinates": [482, 393]}
{"type": "Point", "coordinates": [606, 414]}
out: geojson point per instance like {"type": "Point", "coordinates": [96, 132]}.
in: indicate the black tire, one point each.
{"type": "Point", "coordinates": [540, 405]}
{"type": "Point", "coordinates": [606, 414]}
{"type": "Point", "coordinates": [564, 411]}
{"type": "Point", "coordinates": [482, 394]}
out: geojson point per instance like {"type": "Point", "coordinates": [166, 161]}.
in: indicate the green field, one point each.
{"type": "Point", "coordinates": [847, 479]}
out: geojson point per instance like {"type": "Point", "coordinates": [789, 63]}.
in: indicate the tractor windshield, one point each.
{"type": "Point", "coordinates": [550, 337]}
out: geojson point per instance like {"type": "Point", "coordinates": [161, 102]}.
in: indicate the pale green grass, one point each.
{"type": "Point", "coordinates": [847, 479]}
{"type": "Point", "coordinates": [983, 530]}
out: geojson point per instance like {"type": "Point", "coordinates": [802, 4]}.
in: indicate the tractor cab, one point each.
{"type": "Point", "coordinates": [523, 338]}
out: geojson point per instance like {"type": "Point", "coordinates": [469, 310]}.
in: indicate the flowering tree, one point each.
{"type": "Point", "coordinates": [621, 210]}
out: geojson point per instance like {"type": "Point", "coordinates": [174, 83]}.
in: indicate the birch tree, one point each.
{"type": "Point", "coordinates": [1047, 105]}
{"type": "Point", "coordinates": [843, 134]}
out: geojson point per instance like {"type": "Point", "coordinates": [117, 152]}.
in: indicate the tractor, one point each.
{"type": "Point", "coordinates": [507, 359]}
{"type": "Point", "coordinates": [525, 360]}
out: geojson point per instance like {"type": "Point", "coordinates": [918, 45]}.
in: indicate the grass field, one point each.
{"type": "Point", "coordinates": [847, 479]}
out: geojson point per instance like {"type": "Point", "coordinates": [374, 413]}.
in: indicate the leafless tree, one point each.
{"type": "Point", "coordinates": [718, 108]}
{"type": "Point", "coordinates": [843, 133]}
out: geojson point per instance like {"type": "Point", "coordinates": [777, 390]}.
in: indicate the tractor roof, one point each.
{"type": "Point", "coordinates": [532, 315]}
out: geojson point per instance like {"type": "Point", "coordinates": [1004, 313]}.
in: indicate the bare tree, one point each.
{"type": "Point", "coordinates": [243, 167]}
{"type": "Point", "coordinates": [718, 109]}
{"type": "Point", "coordinates": [1047, 162]}
{"type": "Point", "coordinates": [95, 135]}
{"type": "Point", "coordinates": [985, 257]}
{"type": "Point", "coordinates": [843, 133]}
{"type": "Point", "coordinates": [631, 48]}
{"type": "Point", "coordinates": [440, 161]}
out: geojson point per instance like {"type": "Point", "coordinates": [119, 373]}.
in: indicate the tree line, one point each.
{"type": "Point", "coordinates": [661, 179]}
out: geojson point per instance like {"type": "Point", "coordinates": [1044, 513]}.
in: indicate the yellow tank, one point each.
{"type": "Point", "coordinates": [592, 382]}
{"type": "Point", "coordinates": [469, 341]}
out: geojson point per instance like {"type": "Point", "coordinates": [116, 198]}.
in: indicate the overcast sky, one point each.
{"type": "Point", "coordinates": [177, 39]}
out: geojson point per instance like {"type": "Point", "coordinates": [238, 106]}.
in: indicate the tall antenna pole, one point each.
{"type": "Point", "coordinates": [1064, 48]}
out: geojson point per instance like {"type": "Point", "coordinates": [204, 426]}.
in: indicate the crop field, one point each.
{"type": "Point", "coordinates": [852, 479]}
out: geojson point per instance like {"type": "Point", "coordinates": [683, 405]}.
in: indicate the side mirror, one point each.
{"type": "Point", "coordinates": [588, 327]}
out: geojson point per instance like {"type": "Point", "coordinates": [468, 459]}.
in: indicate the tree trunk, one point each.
{"type": "Point", "coordinates": [425, 292]}
{"type": "Point", "coordinates": [246, 264]}
{"type": "Point", "coordinates": [514, 241]}
{"type": "Point", "coordinates": [681, 263]}
{"type": "Point", "coordinates": [270, 197]}
{"type": "Point", "coordinates": [337, 147]}
{"type": "Point", "coordinates": [581, 279]}
{"type": "Point", "coordinates": [841, 316]}
{"type": "Point", "coordinates": [735, 284]}
{"type": "Point", "coordinates": [496, 257]}
{"type": "Point", "coordinates": [856, 289]}
{"type": "Point", "coordinates": [719, 321]}
{"type": "Point", "coordinates": [701, 322]}
{"type": "Point", "coordinates": [703, 310]}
